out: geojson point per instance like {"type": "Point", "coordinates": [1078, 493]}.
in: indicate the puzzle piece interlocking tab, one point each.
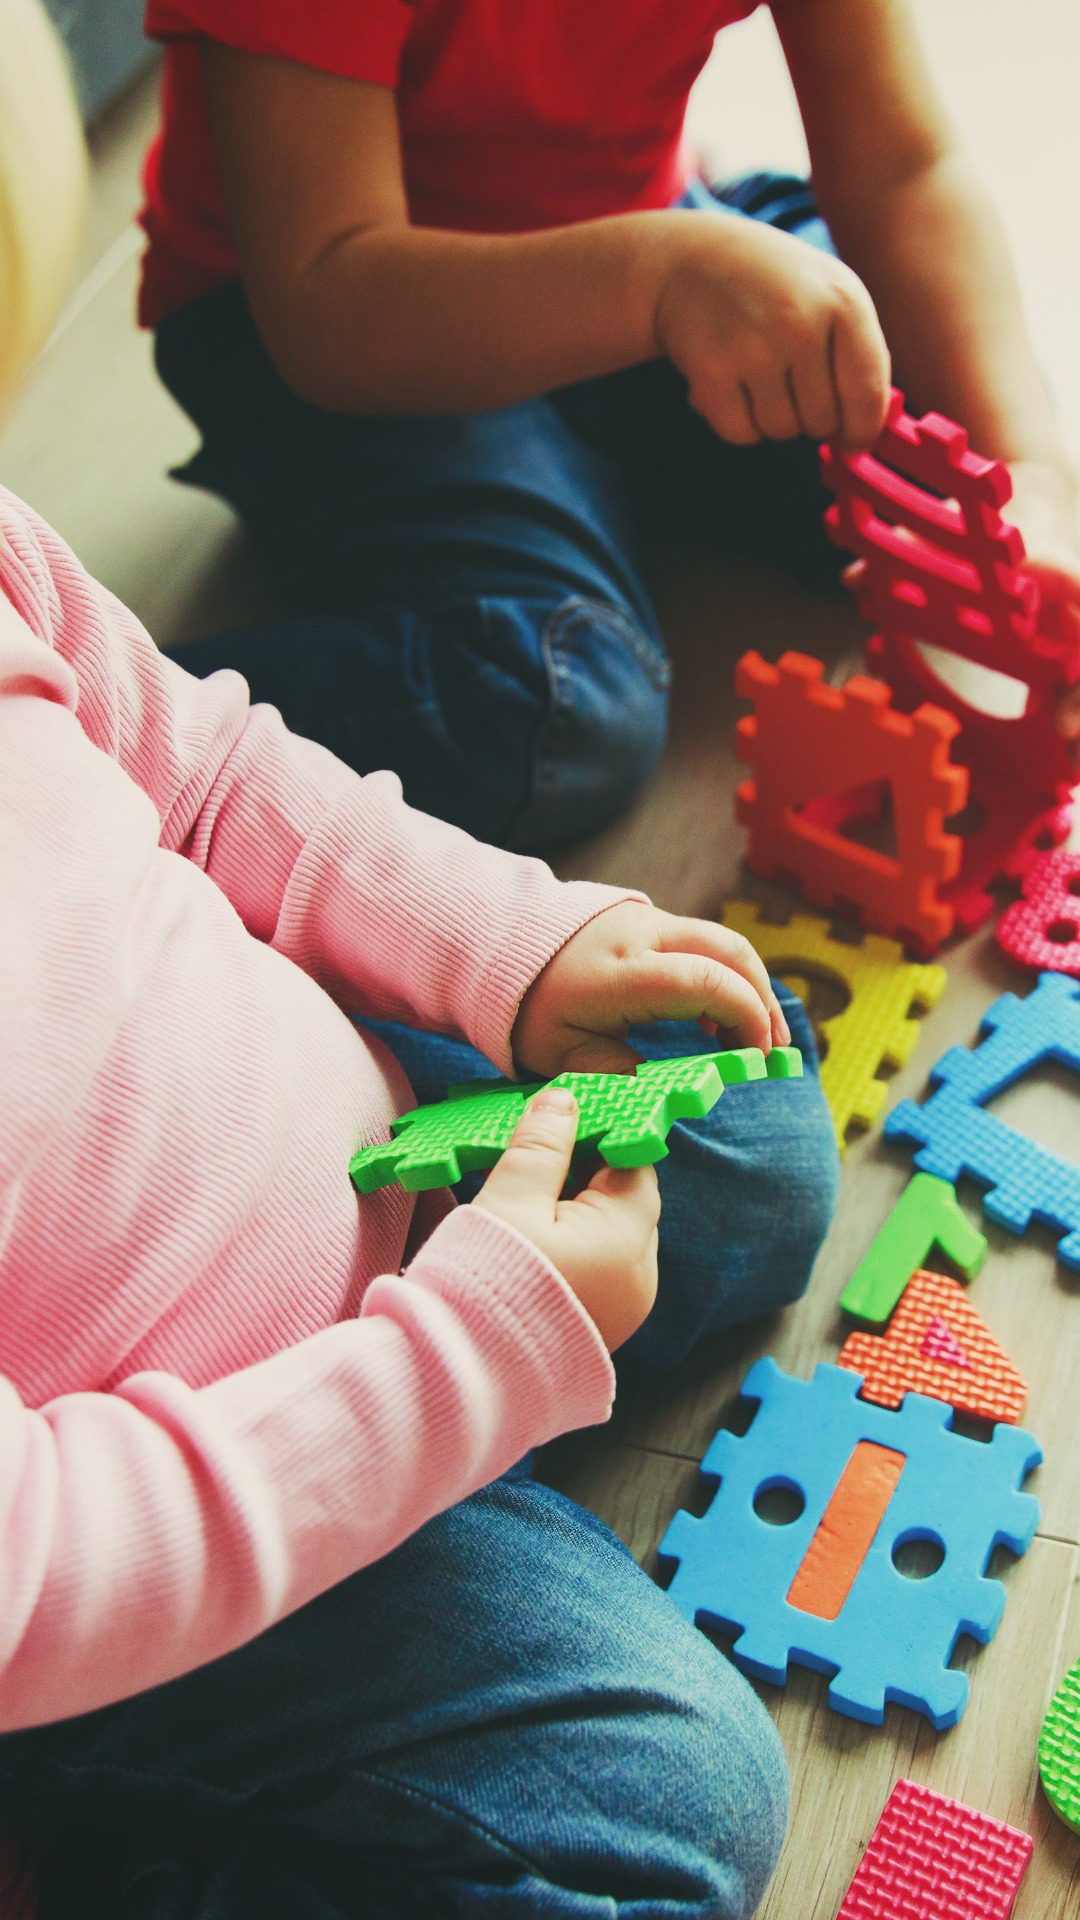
{"type": "Point", "coordinates": [823, 1590]}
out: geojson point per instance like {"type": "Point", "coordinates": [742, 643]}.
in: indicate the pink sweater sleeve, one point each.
{"type": "Point", "coordinates": [146, 1531]}
{"type": "Point", "coordinates": [148, 1525]}
{"type": "Point", "coordinates": [396, 914]}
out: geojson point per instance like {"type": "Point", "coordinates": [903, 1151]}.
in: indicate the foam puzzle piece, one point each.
{"type": "Point", "coordinates": [931, 1858]}
{"type": "Point", "coordinates": [937, 1344]}
{"type": "Point", "coordinates": [922, 512]}
{"type": "Point", "coordinates": [1059, 1750]}
{"type": "Point", "coordinates": [926, 1215]}
{"type": "Point", "coordinates": [625, 1118]}
{"type": "Point", "coordinates": [893, 1637]}
{"type": "Point", "coordinates": [809, 744]}
{"type": "Point", "coordinates": [957, 1135]}
{"type": "Point", "coordinates": [1042, 928]}
{"type": "Point", "coordinates": [876, 1029]}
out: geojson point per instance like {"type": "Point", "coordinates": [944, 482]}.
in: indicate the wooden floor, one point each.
{"type": "Point", "coordinates": [89, 446]}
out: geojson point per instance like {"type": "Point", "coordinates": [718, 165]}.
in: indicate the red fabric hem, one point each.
{"type": "Point", "coordinates": [310, 36]}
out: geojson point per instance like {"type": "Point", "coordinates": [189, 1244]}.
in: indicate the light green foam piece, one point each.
{"type": "Point", "coordinates": [1059, 1750]}
{"type": "Point", "coordinates": [625, 1118]}
{"type": "Point", "coordinates": [926, 1215]}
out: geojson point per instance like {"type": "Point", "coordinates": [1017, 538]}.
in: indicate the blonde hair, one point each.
{"type": "Point", "coordinates": [42, 174]}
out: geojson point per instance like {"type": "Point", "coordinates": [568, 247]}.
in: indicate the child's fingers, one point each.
{"type": "Point", "coordinates": [781, 1032]}
{"type": "Point", "coordinates": [728, 408]}
{"type": "Point", "coordinates": [774, 406]}
{"type": "Point", "coordinates": [730, 949]}
{"type": "Point", "coordinates": [814, 396]}
{"type": "Point", "coordinates": [537, 1158]}
{"type": "Point", "coordinates": [683, 986]}
{"type": "Point", "coordinates": [861, 370]}
{"type": "Point", "coordinates": [633, 1196]}
{"type": "Point", "coordinates": [598, 1053]}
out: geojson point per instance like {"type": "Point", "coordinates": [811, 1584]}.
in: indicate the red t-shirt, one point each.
{"type": "Point", "coordinates": [515, 114]}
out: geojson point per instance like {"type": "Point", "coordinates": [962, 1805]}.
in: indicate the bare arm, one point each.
{"type": "Point", "coordinates": [364, 313]}
{"type": "Point", "coordinates": [910, 214]}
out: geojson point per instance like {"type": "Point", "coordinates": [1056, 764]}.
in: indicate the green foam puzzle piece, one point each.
{"type": "Point", "coordinates": [1059, 1750]}
{"type": "Point", "coordinates": [926, 1215]}
{"type": "Point", "coordinates": [625, 1118]}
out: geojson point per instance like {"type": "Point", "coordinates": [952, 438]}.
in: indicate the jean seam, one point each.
{"type": "Point", "coordinates": [430, 1801]}
{"type": "Point", "coordinates": [556, 642]}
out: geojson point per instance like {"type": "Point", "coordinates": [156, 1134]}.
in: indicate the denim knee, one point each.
{"type": "Point", "coordinates": [627, 1759]}
{"type": "Point", "coordinates": [805, 1168]}
{"type": "Point", "coordinates": [608, 680]}
{"type": "Point", "coordinates": [735, 1814]}
{"type": "Point", "coordinates": [747, 1196]}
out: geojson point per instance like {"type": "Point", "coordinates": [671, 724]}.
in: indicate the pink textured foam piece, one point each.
{"type": "Point", "coordinates": [1042, 928]}
{"type": "Point", "coordinates": [931, 1858]}
{"type": "Point", "coordinates": [941, 1343]}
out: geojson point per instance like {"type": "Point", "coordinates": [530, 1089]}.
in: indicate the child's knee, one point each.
{"type": "Point", "coordinates": [606, 719]}
{"type": "Point", "coordinates": [808, 1168]}
{"type": "Point", "coordinates": [725, 1766]}
{"type": "Point", "coordinates": [747, 1196]}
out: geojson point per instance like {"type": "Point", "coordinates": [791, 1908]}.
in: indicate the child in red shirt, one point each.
{"type": "Point", "coordinates": [440, 288]}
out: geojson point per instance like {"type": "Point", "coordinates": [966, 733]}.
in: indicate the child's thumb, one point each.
{"type": "Point", "coordinates": [537, 1159]}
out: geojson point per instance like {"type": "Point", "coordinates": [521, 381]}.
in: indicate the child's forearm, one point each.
{"type": "Point", "coordinates": [363, 312]}
{"type": "Point", "coordinates": [412, 320]}
{"type": "Point", "coordinates": [933, 253]}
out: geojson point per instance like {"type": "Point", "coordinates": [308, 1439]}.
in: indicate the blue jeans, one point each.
{"type": "Point", "coordinates": [467, 597]}
{"type": "Point", "coordinates": [504, 1716]}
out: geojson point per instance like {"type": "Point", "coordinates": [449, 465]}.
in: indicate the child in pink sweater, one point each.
{"type": "Point", "coordinates": [275, 1635]}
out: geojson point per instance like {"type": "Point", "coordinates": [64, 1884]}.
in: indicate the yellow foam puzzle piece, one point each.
{"type": "Point", "coordinates": [878, 1026]}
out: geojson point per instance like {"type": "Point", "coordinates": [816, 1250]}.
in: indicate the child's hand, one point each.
{"type": "Point", "coordinates": [775, 338]}
{"type": "Point", "coordinates": [634, 964]}
{"type": "Point", "coordinates": [603, 1241]}
{"type": "Point", "coordinates": [1043, 506]}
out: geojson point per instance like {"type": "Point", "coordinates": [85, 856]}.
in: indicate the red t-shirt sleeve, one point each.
{"type": "Point", "coordinates": [360, 39]}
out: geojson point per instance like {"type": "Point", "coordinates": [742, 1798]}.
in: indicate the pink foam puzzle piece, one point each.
{"type": "Point", "coordinates": [941, 568]}
{"type": "Point", "coordinates": [1042, 928]}
{"type": "Point", "coordinates": [941, 1343]}
{"type": "Point", "coordinates": [931, 1858]}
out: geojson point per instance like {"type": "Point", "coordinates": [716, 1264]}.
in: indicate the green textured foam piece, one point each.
{"type": "Point", "coordinates": [1059, 1750]}
{"type": "Point", "coordinates": [623, 1117]}
{"type": "Point", "coordinates": [927, 1215]}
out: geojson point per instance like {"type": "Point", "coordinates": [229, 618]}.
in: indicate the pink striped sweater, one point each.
{"type": "Point", "coordinates": [227, 1382]}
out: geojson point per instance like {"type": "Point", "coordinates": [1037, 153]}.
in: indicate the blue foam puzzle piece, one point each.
{"type": "Point", "coordinates": [893, 1636]}
{"type": "Point", "coordinates": [957, 1135]}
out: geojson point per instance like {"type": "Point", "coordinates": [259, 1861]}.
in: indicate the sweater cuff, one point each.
{"type": "Point", "coordinates": [514, 1299]}
{"type": "Point", "coordinates": [543, 925]}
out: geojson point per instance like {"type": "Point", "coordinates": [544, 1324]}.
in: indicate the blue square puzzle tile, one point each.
{"type": "Point", "coordinates": [824, 1591]}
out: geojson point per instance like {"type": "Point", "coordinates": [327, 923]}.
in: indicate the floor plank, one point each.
{"type": "Point", "coordinates": [842, 1771]}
